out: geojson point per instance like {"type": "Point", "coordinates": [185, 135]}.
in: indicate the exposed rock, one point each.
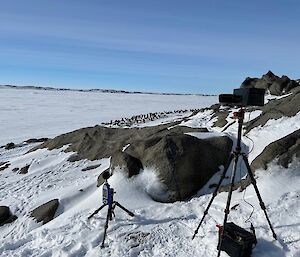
{"type": "Point", "coordinates": [179, 158]}
{"type": "Point", "coordinates": [275, 109]}
{"type": "Point", "coordinates": [4, 165]}
{"type": "Point", "coordinates": [98, 142]}
{"type": "Point", "coordinates": [92, 167]}
{"type": "Point", "coordinates": [183, 163]}
{"type": "Point", "coordinates": [9, 146]}
{"type": "Point", "coordinates": [45, 212]}
{"type": "Point", "coordinates": [221, 115]}
{"type": "Point", "coordinates": [274, 84]}
{"type": "Point", "coordinates": [36, 140]}
{"type": "Point", "coordinates": [6, 216]}
{"type": "Point", "coordinates": [128, 164]}
{"type": "Point", "coordinates": [282, 151]}
{"type": "Point", "coordinates": [15, 169]}
{"type": "Point", "coordinates": [24, 169]}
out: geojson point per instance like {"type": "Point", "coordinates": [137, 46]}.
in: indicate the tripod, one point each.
{"type": "Point", "coordinates": [234, 156]}
{"type": "Point", "coordinates": [108, 199]}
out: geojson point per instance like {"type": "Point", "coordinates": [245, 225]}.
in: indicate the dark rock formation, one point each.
{"type": "Point", "coordinates": [9, 146]}
{"type": "Point", "coordinates": [282, 151]}
{"type": "Point", "coordinates": [183, 163]}
{"type": "Point", "coordinates": [272, 83]}
{"type": "Point", "coordinates": [92, 167]}
{"type": "Point", "coordinates": [4, 165]}
{"type": "Point", "coordinates": [6, 216]}
{"type": "Point", "coordinates": [45, 212]}
{"type": "Point", "coordinates": [221, 115]}
{"type": "Point", "coordinates": [36, 140]}
{"type": "Point", "coordinates": [98, 142]}
{"type": "Point", "coordinates": [128, 164]}
{"type": "Point", "coordinates": [24, 169]}
{"type": "Point", "coordinates": [275, 109]}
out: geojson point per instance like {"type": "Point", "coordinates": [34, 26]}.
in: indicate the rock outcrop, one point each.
{"type": "Point", "coordinates": [183, 163]}
{"type": "Point", "coordinates": [6, 215]}
{"type": "Point", "coordinates": [272, 83]}
{"type": "Point", "coordinates": [45, 212]}
{"type": "Point", "coordinates": [275, 109]}
{"type": "Point", "coordinates": [282, 151]}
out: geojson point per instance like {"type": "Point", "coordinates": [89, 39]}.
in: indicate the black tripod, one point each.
{"type": "Point", "coordinates": [234, 156]}
{"type": "Point", "coordinates": [108, 199]}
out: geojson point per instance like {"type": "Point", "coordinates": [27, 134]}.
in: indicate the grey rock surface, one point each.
{"type": "Point", "coordinates": [6, 215]}
{"type": "Point", "coordinates": [24, 170]}
{"type": "Point", "coordinates": [275, 109]}
{"type": "Point", "coordinates": [129, 165]}
{"type": "Point", "coordinates": [183, 163]}
{"type": "Point", "coordinates": [282, 151]}
{"type": "Point", "coordinates": [45, 212]}
{"type": "Point", "coordinates": [179, 158]}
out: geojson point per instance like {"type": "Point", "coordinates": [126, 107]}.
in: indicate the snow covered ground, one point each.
{"type": "Point", "coordinates": [27, 113]}
{"type": "Point", "coordinates": [158, 229]}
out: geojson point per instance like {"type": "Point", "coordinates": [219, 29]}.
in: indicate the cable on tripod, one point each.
{"type": "Point", "coordinates": [252, 148]}
{"type": "Point", "coordinates": [248, 219]}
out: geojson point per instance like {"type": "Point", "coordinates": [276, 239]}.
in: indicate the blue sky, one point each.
{"type": "Point", "coordinates": [158, 45]}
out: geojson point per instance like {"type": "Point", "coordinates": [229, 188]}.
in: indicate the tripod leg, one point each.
{"type": "Point", "coordinates": [108, 216]}
{"type": "Point", "coordinates": [124, 209]}
{"type": "Point", "coordinates": [214, 193]}
{"type": "Point", "coordinates": [262, 205]}
{"type": "Point", "coordinates": [227, 209]}
{"type": "Point", "coordinates": [96, 211]}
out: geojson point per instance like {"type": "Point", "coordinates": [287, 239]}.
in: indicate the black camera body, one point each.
{"type": "Point", "coordinates": [243, 97]}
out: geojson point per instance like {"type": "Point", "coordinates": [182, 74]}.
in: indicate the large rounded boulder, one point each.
{"type": "Point", "coordinates": [183, 163]}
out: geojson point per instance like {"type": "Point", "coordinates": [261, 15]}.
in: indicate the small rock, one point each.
{"type": "Point", "coordinates": [91, 167]}
{"type": "Point", "coordinates": [9, 146]}
{"type": "Point", "coordinates": [24, 170]}
{"type": "Point", "coordinates": [36, 140]}
{"type": "Point", "coordinates": [4, 165]}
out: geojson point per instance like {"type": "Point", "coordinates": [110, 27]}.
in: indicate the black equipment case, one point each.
{"type": "Point", "coordinates": [237, 242]}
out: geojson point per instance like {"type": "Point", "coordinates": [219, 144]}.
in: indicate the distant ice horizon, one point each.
{"type": "Point", "coordinates": [33, 113]}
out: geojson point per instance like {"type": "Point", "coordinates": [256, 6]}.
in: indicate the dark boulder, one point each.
{"type": "Point", "coordinates": [126, 163]}
{"type": "Point", "coordinates": [24, 170]}
{"type": "Point", "coordinates": [183, 163]}
{"type": "Point", "coordinates": [9, 146]}
{"type": "Point", "coordinates": [282, 151]}
{"type": "Point", "coordinates": [275, 109]}
{"type": "Point", "coordinates": [272, 83]}
{"type": "Point", "coordinates": [36, 140]}
{"type": "Point", "coordinates": [92, 167]}
{"type": "Point", "coordinates": [45, 212]}
{"type": "Point", "coordinates": [6, 216]}
{"type": "Point", "coordinates": [4, 165]}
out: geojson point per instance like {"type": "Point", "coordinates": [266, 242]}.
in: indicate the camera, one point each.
{"type": "Point", "coordinates": [243, 97]}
